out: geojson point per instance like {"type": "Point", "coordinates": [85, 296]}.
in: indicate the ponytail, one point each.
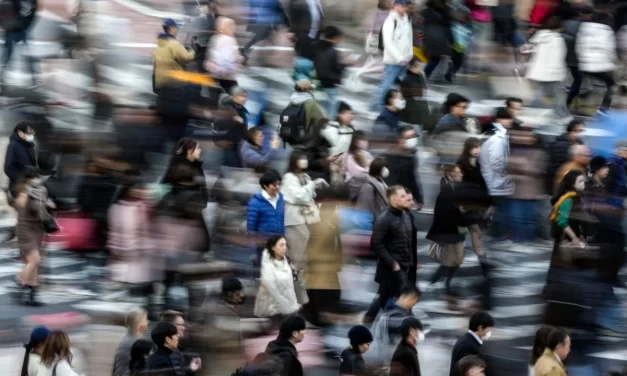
{"type": "Point", "coordinates": [29, 348]}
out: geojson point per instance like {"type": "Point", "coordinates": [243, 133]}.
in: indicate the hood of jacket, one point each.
{"type": "Point", "coordinates": [281, 346]}
{"type": "Point", "coordinates": [300, 98]}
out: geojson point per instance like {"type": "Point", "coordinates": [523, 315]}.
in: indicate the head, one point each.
{"type": "Point", "coordinates": [232, 290]}
{"type": "Point", "coordinates": [293, 329]}
{"type": "Point", "coordinates": [276, 246]}
{"type": "Point", "coordinates": [188, 148]}
{"type": "Point", "coordinates": [400, 7]}
{"type": "Point", "coordinates": [345, 114]}
{"type": "Point", "coordinates": [304, 86]}
{"type": "Point", "coordinates": [574, 129]}
{"type": "Point", "coordinates": [225, 26]}
{"type": "Point", "coordinates": [379, 168]}
{"type": "Point", "coordinates": [503, 117]}
{"type": "Point", "coordinates": [360, 338]}
{"type": "Point", "coordinates": [471, 365]}
{"type": "Point", "coordinates": [540, 342]}
{"type": "Point", "coordinates": [415, 66]}
{"type": "Point", "coordinates": [397, 197]}
{"type": "Point", "coordinates": [599, 167]}
{"type": "Point", "coordinates": [580, 154]}
{"type": "Point", "coordinates": [552, 23]}
{"type": "Point", "coordinates": [24, 130]}
{"type": "Point", "coordinates": [57, 346]}
{"type": "Point", "coordinates": [165, 335]}
{"type": "Point", "coordinates": [621, 149]}
{"type": "Point", "coordinates": [141, 349]}
{"type": "Point", "coordinates": [394, 101]}
{"type": "Point", "coordinates": [175, 318]}
{"type": "Point", "coordinates": [239, 96]}
{"type": "Point", "coordinates": [137, 321]}
{"type": "Point", "coordinates": [412, 330]}
{"type": "Point", "coordinates": [481, 323]}
{"type": "Point", "coordinates": [409, 297]}
{"type": "Point", "coordinates": [453, 174]}
{"type": "Point", "coordinates": [359, 142]}
{"type": "Point", "coordinates": [271, 182]}
{"type": "Point", "coordinates": [472, 148]}
{"type": "Point", "coordinates": [456, 104]}
{"type": "Point", "coordinates": [170, 27]}
{"type": "Point", "coordinates": [255, 136]}
{"type": "Point", "coordinates": [410, 198]}
{"type": "Point", "coordinates": [298, 162]}
{"type": "Point", "coordinates": [37, 338]}
{"type": "Point", "coordinates": [514, 106]}
{"type": "Point", "coordinates": [559, 342]}
{"type": "Point", "coordinates": [407, 137]}
{"type": "Point", "coordinates": [574, 180]}
{"type": "Point", "coordinates": [333, 34]}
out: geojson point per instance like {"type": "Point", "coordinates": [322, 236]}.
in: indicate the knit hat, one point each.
{"type": "Point", "coordinates": [343, 106]}
{"type": "Point", "coordinates": [231, 283]}
{"type": "Point", "coordinates": [359, 335]}
{"type": "Point", "coordinates": [38, 335]}
{"type": "Point", "coordinates": [598, 163]}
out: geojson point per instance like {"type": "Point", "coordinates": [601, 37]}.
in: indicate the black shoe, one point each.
{"type": "Point", "coordinates": [32, 298]}
{"type": "Point", "coordinates": [448, 77]}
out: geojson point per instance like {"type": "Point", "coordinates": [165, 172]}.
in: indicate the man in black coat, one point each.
{"type": "Point", "coordinates": [479, 330]}
{"type": "Point", "coordinates": [403, 163]}
{"type": "Point", "coordinates": [167, 360]}
{"type": "Point", "coordinates": [291, 332]}
{"type": "Point", "coordinates": [20, 152]}
{"type": "Point", "coordinates": [405, 359]}
{"type": "Point", "coordinates": [558, 151]}
{"type": "Point", "coordinates": [394, 243]}
{"type": "Point", "coordinates": [329, 68]}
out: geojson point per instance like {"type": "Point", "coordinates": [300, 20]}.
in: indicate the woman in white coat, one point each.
{"type": "Point", "coordinates": [56, 356]}
{"type": "Point", "coordinates": [547, 68]}
{"type": "Point", "coordinates": [276, 296]}
{"type": "Point", "coordinates": [299, 193]}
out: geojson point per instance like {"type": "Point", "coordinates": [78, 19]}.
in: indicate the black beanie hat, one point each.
{"type": "Point", "coordinates": [359, 335]}
{"type": "Point", "coordinates": [230, 283]}
{"type": "Point", "coordinates": [597, 163]}
{"type": "Point", "coordinates": [343, 106]}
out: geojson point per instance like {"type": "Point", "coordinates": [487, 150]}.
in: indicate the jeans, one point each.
{"type": "Point", "coordinates": [502, 217]}
{"type": "Point", "coordinates": [575, 87]}
{"type": "Point", "coordinates": [608, 80]}
{"type": "Point", "coordinates": [390, 73]}
{"type": "Point", "coordinates": [332, 102]}
{"type": "Point", "coordinates": [457, 59]}
{"type": "Point", "coordinates": [261, 33]}
{"type": "Point", "coordinates": [11, 38]}
{"type": "Point", "coordinates": [524, 219]}
{"type": "Point", "coordinates": [555, 91]}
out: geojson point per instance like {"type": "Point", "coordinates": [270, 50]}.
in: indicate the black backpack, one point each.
{"type": "Point", "coordinates": [263, 364]}
{"type": "Point", "coordinates": [381, 47]}
{"type": "Point", "coordinates": [293, 128]}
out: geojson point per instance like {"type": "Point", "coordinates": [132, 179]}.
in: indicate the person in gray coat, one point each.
{"type": "Point", "coordinates": [372, 196]}
{"type": "Point", "coordinates": [137, 323]}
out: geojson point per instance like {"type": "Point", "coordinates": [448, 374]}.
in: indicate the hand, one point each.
{"type": "Point", "coordinates": [396, 267]}
{"type": "Point", "coordinates": [51, 204]}
{"type": "Point", "coordinates": [333, 158]}
{"type": "Point", "coordinates": [321, 183]}
{"type": "Point", "coordinates": [195, 364]}
{"type": "Point", "coordinates": [577, 243]}
{"type": "Point", "coordinates": [275, 143]}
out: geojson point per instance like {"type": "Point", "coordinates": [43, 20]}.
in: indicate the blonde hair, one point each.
{"type": "Point", "coordinates": [134, 317]}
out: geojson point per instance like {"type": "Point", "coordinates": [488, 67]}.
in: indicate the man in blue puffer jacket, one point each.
{"type": "Point", "coordinates": [266, 209]}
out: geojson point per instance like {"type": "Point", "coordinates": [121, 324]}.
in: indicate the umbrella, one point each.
{"type": "Point", "coordinates": [603, 131]}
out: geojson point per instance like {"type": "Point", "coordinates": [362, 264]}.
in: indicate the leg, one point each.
{"type": "Point", "coordinates": [608, 78]}
{"type": "Point", "coordinates": [31, 60]}
{"type": "Point", "coordinates": [556, 92]}
{"type": "Point", "coordinates": [261, 32]}
{"type": "Point", "coordinates": [28, 275]}
{"type": "Point", "coordinates": [332, 102]}
{"type": "Point", "coordinates": [297, 239]}
{"type": "Point", "coordinates": [390, 72]}
{"type": "Point", "coordinates": [431, 65]}
{"type": "Point", "coordinates": [575, 87]}
{"type": "Point", "coordinates": [439, 273]}
{"type": "Point", "coordinates": [539, 95]}
{"type": "Point", "coordinates": [9, 43]}
{"type": "Point", "coordinates": [475, 238]}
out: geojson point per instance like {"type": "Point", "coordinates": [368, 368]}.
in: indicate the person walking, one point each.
{"type": "Point", "coordinates": [33, 349]}
{"type": "Point", "coordinates": [479, 330]}
{"type": "Point", "coordinates": [139, 353]}
{"type": "Point", "coordinates": [167, 358]}
{"type": "Point", "coordinates": [397, 38]}
{"type": "Point", "coordinates": [56, 356]}
{"type": "Point", "coordinates": [265, 20]}
{"type": "Point", "coordinates": [551, 361]}
{"type": "Point", "coordinates": [169, 54]}
{"type": "Point", "coordinates": [291, 333]}
{"type": "Point", "coordinates": [224, 61]}
{"type": "Point", "coordinates": [329, 67]}
{"type": "Point", "coordinates": [352, 361]}
{"type": "Point", "coordinates": [405, 358]}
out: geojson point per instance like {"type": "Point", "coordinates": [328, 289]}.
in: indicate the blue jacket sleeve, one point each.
{"type": "Point", "coordinates": [252, 217]}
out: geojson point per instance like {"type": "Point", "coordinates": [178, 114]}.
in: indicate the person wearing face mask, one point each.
{"type": "Point", "coordinates": [340, 132]}
{"type": "Point", "coordinates": [32, 204]}
{"type": "Point", "coordinates": [352, 361]}
{"type": "Point", "coordinates": [20, 153]}
{"type": "Point", "coordinates": [403, 163]}
{"type": "Point", "coordinates": [372, 197]}
{"type": "Point", "coordinates": [479, 330]}
{"type": "Point", "coordinates": [405, 359]}
{"type": "Point", "coordinates": [454, 110]}
{"type": "Point", "coordinates": [388, 120]}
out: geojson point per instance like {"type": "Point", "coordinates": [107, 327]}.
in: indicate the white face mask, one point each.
{"type": "Point", "coordinates": [411, 143]}
{"type": "Point", "coordinates": [487, 336]}
{"type": "Point", "coordinates": [399, 104]}
{"type": "Point", "coordinates": [385, 172]}
{"type": "Point", "coordinates": [303, 164]}
{"type": "Point", "coordinates": [29, 137]}
{"type": "Point", "coordinates": [420, 337]}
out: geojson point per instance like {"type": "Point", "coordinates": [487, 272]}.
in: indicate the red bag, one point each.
{"type": "Point", "coordinates": [77, 232]}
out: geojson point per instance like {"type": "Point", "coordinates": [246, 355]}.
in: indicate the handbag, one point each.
{"type": "Point", "coordinates": [435, 252]}
{"type": "Point", "coordinates": [299, 286]}
{"type": "Point", "coordinates": [571, 255]}
{"type": "Point", "coordinates": [49, 222]}
{"type": "Point", "coordinates": [372, 40]}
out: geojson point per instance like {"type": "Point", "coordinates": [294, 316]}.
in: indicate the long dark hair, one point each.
{"type": "Point", "coordinates": [357, 136]}
{"type": "Point", "coordinates": [271, 243]}
{"type": "Point", "coordinates": [139, 351]}
{"type": "Point", "coordinates": [540, 342]}
{"type": "Point", "coordinates": [469, 144]}
{"type": "Point", "coordinates": [567, 184]}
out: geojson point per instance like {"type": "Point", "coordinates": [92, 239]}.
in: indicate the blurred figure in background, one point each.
{"type": "Point", "coordinates": [471, 365]}
{"type": "Point", "coordinates": [33, 349]}
{"type": "Point", "coordinates": [372, 196]}
{"type": "Point", "coordinates": [264, 20]}
{"type": "Point", "coordinates": [557, 152]}
{"type": "Point", "coordinates": [318, 149]}
{"type": "Point", "coordinates": [223, 58]}
{"type": "Point", "coordinates": [235, 127]}
{"type": "Point", "coordinates": [276, 297]}
{"type": "Point", "coordinates": [356, 164]}
{"type": "Point", "coordinates": [389, 118]}
{"type": "Point", "coordinates": [21, 17]}
{"type": "Point", "coordinates": [579, 158]}
{"type": "Point", "coordinates": [169, 55]}
{"type": "Point", "coordinates": [186, 153]}
{"type": "Point", "coordinates": [303, 112]}
{"type": "Point", "coordinates": [254, 155]}
{"type": "Point", "coordinates": [403, 163]}
{"type": "Point", "coordinates": [291, 333]}
{"type": "Point", "coordinates": [374, 63]}
{"type": "Point", "coordinates": [32, 204]}
{"type": "Point", "coordinates": [438, 34]}
{"type": "Point", "coordinates": [329, 67]}
{"type": "Point", "coordinates": [136, 323]}
{"type": "Point", "coordinates": [340, 132]}
{"type": "Point", "coordinates": [306, 20]}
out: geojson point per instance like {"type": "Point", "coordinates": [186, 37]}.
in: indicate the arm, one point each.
{"type": "Point", "coordinates": [365, 199]}
{"type": "Point", "coordinates": [388, 41]}
{"type": "Point", "coordinates": [252, 158]}
{"type": "Point", "coordinates": [296, 193]}
{"type": "Point", "coordinates": [181, 55]}
{"type": "Point", "coordinates": [497, 158]}
{"type": "Point", "coordinates": [377, 243]}
{"type": "Point", "coordinates": [418, 195]}
{"type": "Point", "coordinates": [252, 217]}
{"type": "Point", "coordinates": [563, 213]}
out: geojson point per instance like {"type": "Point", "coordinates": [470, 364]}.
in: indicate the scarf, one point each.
{"type": "Point", "coordinates": [564, 197]}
